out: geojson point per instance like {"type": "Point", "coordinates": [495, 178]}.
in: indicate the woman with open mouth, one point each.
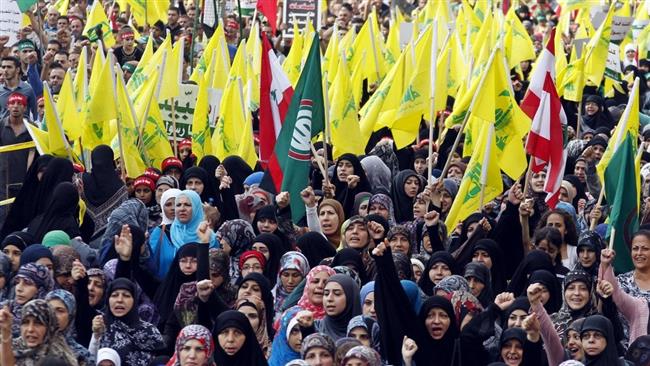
{"type": "Point", "coordinates": [312, 296]}
{"type": "Point", "coordinates": [341, 302]}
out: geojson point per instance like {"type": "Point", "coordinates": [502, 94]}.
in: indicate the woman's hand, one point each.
{"type": "Point", "coordinates": [98, 326]}
{"type": "Point", "coordinates": [305, 318]}
{"type": "Point", "coordinates": [380, 249]}
{"type": "Point", "coordinates": [504, 300]}
{"type": "Point", "coordinates": [532, 327]}
{"type": "Point", "coordinates": [431, 218]}
{"type": "Point", "coordinates": [282, 199]}
{"type": "Point", "coordinates": [376, 230]}
{"type": "Point", "coordinates": [606, 257]}
{"type": "Point", "coordinates": [204, 232]}
{"type": "Point", "coordinates": [124, 243]}
{"type": "Point", "coordinates": [409, 347]}
{"type": "Point", "coordinates": [6, 319]}
{"type": "Point", "coordinates": [308, 197]}
{"type": "Point", "coordinates": [353, 180]}
{"type": "Point", "coordinates": [604, 289]}
{"type": "Point", "coordinates": [204, 289]}
{"type": "Point", "coordinates": [534, 293]}
{"type": "Point", "coordinates": [78, 270]}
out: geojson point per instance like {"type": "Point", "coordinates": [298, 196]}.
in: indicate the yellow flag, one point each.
{"type": "Point", "coordinates": [560, 56]}
{"type": "Point", "coordinates": [392, 51]}
{"type": "Point", "coordinates": [128, 131]}
{"type": "Point", "coordinates": [162, 54]}
{"type": "Point", "coordinates": [172, 72]}
{"type": "Point", "coordinates": [293, 63]}
{"type": "Point", "coordinates": [217, 42]}
{"type": "Point", "coordinates": [201, 145]}
{"type": "Point", "coordinates": [370, 40]}
{"type": "Point", "coordinates": [68, 110]}
{"type": "Point", "coordinates": [344, 122]}
{"type": "Point", "coordinates": [148, 12]}
{"type": "Point", "coordinates": [101, 107]}
{"type": "Point", "coordinates": [629, 123]}
{"type": "Point", "coordinates": [482, 174]}
{"type": "Point", "coordinates": [331, 58]}
{"type": "Point", "coordinates": [253, 67]}
{"type": "Point", "coordinates": [154, 136]}
{"type": "Point", "coordinates": [80, 83]}
{"type": "Point", "coordinates": [40, 138]}
{"type": "Point", "coordinates": [57, 146]}
{"type": "Point", "coordinates": [97, 21]}
{"type": "Point", "coordinates": [233, 134]}
{"type": "Point", "coordinates": [519, 46]}
{"type": "Point", "coordinates": [597, 49]}
{"type": "Point", "coordinates": [62, 6]}
{"type": "Point", "coordinates": [572, 80]}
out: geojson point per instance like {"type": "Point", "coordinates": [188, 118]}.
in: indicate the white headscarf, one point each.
{"type": "Point", "coordinates": [108, 354]}
{"type": "Point", "coordinates": [170, 193]}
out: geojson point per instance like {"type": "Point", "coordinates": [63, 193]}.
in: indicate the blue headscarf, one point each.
{"type": "Point", "coordinates": [413, 293]}
{"type": "Point", "coordinates": [281, 352]}
{"type": "Point", "coordinates": [367, 289]}
{"type": "Point", "coordinates": [182, 234]}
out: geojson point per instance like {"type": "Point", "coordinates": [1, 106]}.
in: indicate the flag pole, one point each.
{"type": "Point", "coordinates": [323, 171]}
{"type": "Point", "coordinates": [612, 235]}
{"type": "Point", "coordinates": [373, 45]}
{"type": "Point", "coordinates": [469, 110]}
{"type": "Point", "coordinates": [135, 119]}
{"type": "Point", "coordinates": [326, 129]}
{"type": "Point", "coordinates": [118, 119]}
{"type": "Point", "coordinates": [432, 97]}
{"type": "Point", "coordinates": [486, 162]}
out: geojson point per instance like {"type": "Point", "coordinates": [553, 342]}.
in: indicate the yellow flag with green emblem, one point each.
{"type": "Point", "coordinates": [57, 145]}
{"type": "Point", "coordinates": [98, 24]}
{"type": "Point", "coordinates": [597, 50]}
{"type": "Point", "coordinates": [344, 122]}
{"type": "Point", "coordinates": [293, 63]}
{"type": "Point", "coordinates": [101, 105]}
{"type": "Point", "coordinates": [128, 137]}
{"type": "Point", "coordinates": [519, 46]}
{"type": "Point", "coordinates": [201, 144]}
{"type": "Point", "coordinates": [68, 110]}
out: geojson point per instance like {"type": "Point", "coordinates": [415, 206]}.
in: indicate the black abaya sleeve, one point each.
{"type": "Point", "coordinates": [472, 336]}
{"type": "Point", "coordinates": [210, 310]}
{"type": "Point", "coordinates": [464, 252]}
{"type": "Point", "coordinates": [172, 328]}
{"type": "Point", "coordinates": [203, 262]}
{"type": "Point", "coordinates": [434, 238]}
{"type": "Point", "coordinates": [534, 354]}
{"type": "Point", "coordinates": [507, 234]}
{"type": "Point", "coordinates": [85, 313]}
{"type": "Point", "coordinates": [395, 315]}
{"type": "Point", "coordinates": [230, 211]}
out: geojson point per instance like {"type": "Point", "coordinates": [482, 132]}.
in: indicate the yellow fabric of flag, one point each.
{"type": "Point", "coordinates": [344, 122]}
{"type": "Point", "coordinates": [172, 72]}
{"type": "Point", "coordinates": [137, 80]}
{"type": "Point", "coordinates": [68, 110]}
{"type": "Point", "coordinates": [392, 50]}
{"type": "Point", "coordinates": [596, 51]}
{"type": "Point", "coordinates": [371, 41]}
{"type": "Point", "coordinates": [128, 130]}
{"type": "Point", "coordinates": [293, 63]}
{"type": "Point", "coordinates": [519, 46]}
{"type": "Point", "coordinates": [331, 57]}
{"type": "Point", "coordinates": [482, 174]}
{"type": "Point", "coordinates": [62, 6]}
{"type": "Point", "coordinates": [253, 67]}
{"type": "Point", "coordinates": [217, 42]}
{"type": "Point", "coordinates": [148, 11]}
{"type": "Point", "coordinates": [572, 80]}
{"type": "Point", "coordinates": [97, 19]}
{"type": "Point", "coordinates": [55, 141]}
{"type": "Point", "coordinates": [201, 144]}
{"type": "Point", "coordinates": [101, 106]}
{"type": "Point", "coordinates": [154, 136]}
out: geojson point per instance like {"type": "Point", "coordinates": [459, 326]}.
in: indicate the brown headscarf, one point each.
{"type": "Point", "coordinates": [260, 332]}
{"type": "Point", "coordinates": [335, 238]}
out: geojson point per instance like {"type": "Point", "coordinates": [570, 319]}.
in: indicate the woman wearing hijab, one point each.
{"type": "Point", "coordinates": [516, 349]}
{"type": "Point", "coordinates": [255, 284]}
{"type": "Point", "coordinates": [406, 185]}
{"type": "Point", "coordinates": [487, 251]}
{"type": "Point", "coordinates": [103, 190]}
{"type": "Point", "coordinates": [122, 329]}
{"type": "Point", "coordinates": [577, 300]}
{"type": "Point", "coordinates": [595, 114]}
{"type": "Point", "coordinates": [5, 277]}
{"type": "Point", "coordinates": [197, 180]}
{"type": "Point", "coordinates": [348, 165]}
{"type": "Point", "coordinates": [254, 309]}
{"type": "Point", "coordinates": [379, 175]}
{"type": "Point", "coordinates": [65, 307]}
{"type": "Point", "coordinates": [194, 346]}
{"type": "Point", "coordinates": [327, 219]}
{"type": "Point", "coordinates": [13, 246]}
{"type": "Point", "coordinates": [341, 300]}
{"type": "Point", "coordinates": [38, 337]}
{"type": "Point", "coordinates": [589, 246]}
{"type": "Point", "coordinates": [595, 329]}
{"type": "Point", "coordinates": [515, 314]}
{"type": "Point", "coordinates": [312, 296]}
{"type": "Point", "coordinates": [293, 269]}
{"type": "Point", "coordinates": [316, 348]}
{"type": "Point", "coordinates": [533, 261]}
{"type": "Point", "coordinates": [361, 204]}
{"type": "Point", "coordinates": [440, 265]}
{"type": "Point", "coordinates": [286, 345]}
{"type": "Point", "coordinates": [131, 212]}
{"type": "Point", "coordinates": [366, 330]}
{"type": "Point", "coordinates": [315, 248]}
{"type": "Point", "coordinates": [364, 354]}
{"type": "Point", "coordinates": [182, 270]}
{"type": "Point", "coordinates": [552, 300]}
{"type": "Point", "coordinates": [159, 238]}
{"type": "Point", "coordinates": [33, 281]}
{"type": "Point", "coordinates": [238, 235]}
{"type": "Point", "coordinates": [60, 214]}
{"type": "Point", "coordinates": [266, 221]}
{"type": "Point", "coordinates": [478, 278]}
{"type": "Point", "coordinates": [450, 284]}
{"type": "Point", "coordinates": [238, 170]}
{"type": "Point", "coordinates": [237, 342]}
{"type": "Point", "coordinates": [272, 248]}
{"type": "Point", "coordinates": [351, 258]}
{"type": "Point", "coordinates": [382, 205]}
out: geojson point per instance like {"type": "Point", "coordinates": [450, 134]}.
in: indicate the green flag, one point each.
{"type": "Point", "coordinates": [24, 5]}
{"type": "Point", "coordinates": [620, 191]}
{"type": "Point", "coordinates": [304, 120]}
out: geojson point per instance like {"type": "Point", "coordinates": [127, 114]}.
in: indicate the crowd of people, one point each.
{"type": "Point", "coordinates": [199, 262]}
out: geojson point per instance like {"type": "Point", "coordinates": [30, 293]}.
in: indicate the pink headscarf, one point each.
{"type": "Point", "coordinates": [304, 302]}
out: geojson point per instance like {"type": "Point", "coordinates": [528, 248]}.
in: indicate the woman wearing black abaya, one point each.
{"type": "Point", "coordinates": [236, 341]}
{"type": "Point", "coordinates": [315, 247]}
{"type": "Point", "coordinates": [103, 190]}
{"type": "Point", "coordinates": [440, 265]}
{"type": "Point", "coordinates": [238, 170]}
{"type": "Point", "coordinates": [349, 165]}
{"type": "Point", "coordinates": [25, 207]}
{"type": "Point", "coordinates": [208, 189]}
{"type": "Point", "coordinates": [60, 214]}
{"type": "Point", "coordinates": [534, 260]}
{"type": "Point", "coordinates": [272, 248]}
{"type": "Point", "coordinates": [406, 185]}
{"type": "Point", "coordinates": [595, 114]}
{"type": "Point", "coordinates": [598, 327]}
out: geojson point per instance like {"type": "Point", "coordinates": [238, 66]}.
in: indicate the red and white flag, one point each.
{"type": "Point", "coordinates": [546, 141]}
{"type": "Point", "coordinates": [275, 96]}
{"type": "Point", "coordinates": [270, 10]}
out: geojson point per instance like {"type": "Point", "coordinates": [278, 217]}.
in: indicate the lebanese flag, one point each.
{"type": "Point", "coordinates": [546, 143]}
{"type": "Point", "coordinates": [270, 10]}
{"type": "Point", "coordinates": [275, 96]}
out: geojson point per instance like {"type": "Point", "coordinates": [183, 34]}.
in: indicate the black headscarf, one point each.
{"type": "Point", "coordinates": [593, 242]}
{"type": "Point", "coordinates": [250, 354]}
{"type": "Point", "coordinates": [60, 213]}
{"type": "Point", "coordinates": [351, 258]}
{"type": "Point", "coordinates": [520, 303]}
{"type": "Point", "coordinates": [425, 282]}
{"type": "Point", "coordinates": [26, 204]}
{"type": "Point", "coordinates": [238, 170]}
{"type": "Point", "coordinates": [443, 350]}
{"type": "Point", "coordinates": [168, 289]}
{"type": "Point", "coordinates": [209, 194]}
{"type": "Point", "coordinates": [58, 170]}
{"type": "Point", "coordinates": [510, 334]}
{"type": "Point", "coordinates": [404, 203]}
{"type": "Point", "coordinates": [497, 273]}
{"type": "Point", "coordinates": [602, 118]}
{"type": "Point", "coordinates": [336, 326]}
{"type": "Point", "coordinates": [267, 298]}
{"type": "Point", "coordinates": [315, 247]}
{"type": "Point", "coordinates": [550, 281]}
{"type": "Point", "coordinates": [19, 239]}
{"type": "Point", "coordinates": [210, 163]}
{"type": "Point", "coordinates": [343, 193]}
{"type": "Point", "coordinates": [602, 325]}
{"type": "Point", "coordinates": [639, 351]}
{"type": "Point", "coordinates": [269, 212]}
{"type": "Point", "coordinates": [533, 261]}
{"type": "Point", "coordinates": [103, 181]}
{"type": "Point", "coordinates": [131, 318]}
{"type": "Point", "coordinates": [481, 273]}
{"type": "Point", "coordinates": [276, 251]}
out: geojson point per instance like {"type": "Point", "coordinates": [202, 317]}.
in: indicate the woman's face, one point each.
{"type": "Point", "coordinates": [25, 290]}
{"type": "Point", "coordinates": [576, 295]}
{"type": "Point", "coordinates": [482, 256]}
{"type": "Point", "coordinates": [169, 208]}
{"type": "Point", "coordinates": [95, 290]}
{"type": "Point", "coordinates": [363, 208]}
{"type": "Point", "coordinates": [329, 220]}
{"type": "Point", "coordinates": [641, 252]}
{"type": "Point", "coordinates": [437, 323]}
{"type": "Point", "coordinates": [548, 248]}
{"type": "Point", "coordinates": [188, 265]}
{"type": "Point", "coordinates": [356, 235]}
{"type": "Point", "coordinates": [537, 181]}
{"type": "Point", "coordinates": [231, 340]}
{"type": "Point", "coordinates": [316, 287]}
{"type": "Point", "coordinates": [193, 353]}
{"type": "Point", "coordinates": [557, 221]}
{"type": "Point", "coordinates": [262, 248]}
{"type": "Point", "coordinates": [183, 209]}
{"type": "Point", "coordinates": [295, 338]}
{"type": "Point", "coordinates": [368, 306]}
{"type": "Point", "coordinates": [417, 272]}
{"type": "Point", "coordinates": [334, 299]}
{"type": "Point", "coordinates": [512, 352]}
{"type": "Point", "coordinates": [411, 186]}
{"type": "Point", "coordinates": [586, 256]}
{"type": "Point", "coordinates": [251, 314]}
{"type": "Point", "coordinates": [249, 288]}
{"type": "Point", "coordinates": [14, 254]}
{"type": "Point", "coordinates": [593, 342]}
{"type": "Point", "coordinates": [160, 190]}
{"type": "Point", "coordinates": [120, 302]}
{"type": "Point", "coordinates": [399, 243]}
{"type": "Point", "coordinates": [343, 169]}
{"type": "Point", "coordinates": [379, 209]}
{"type": "Point", "coordinates": [419, 208]}
{"type": "Point", "coordinates": [267, 225]}
{"type": "Point", "coordinates": [446, 200]}
{"type": "Point", "coordinates": [61, 312]}
{"type": "Point", "coordinates": [591, 108]}
{"type": "Point", "coordinates": [475, 285]}
{"type": "Point", "coordinates": [290, 278]}
{"type": "Point", "coordinates": [439, 271]}
{"type": "Point", "coordinates": [251, 265]}
{"type": "Point", "coordinates": [420, 166]}
{"type": "Point", "coordinates": [426, 244]}
{"type": "Point", "coordinates": [516, 318]}
{"type": "Point", "coordinates": [144, 194]}
{"type": "Point", "coordinates": [194, 184]}
{"type": "Point", "coordinates": [32, 331]}
{"type": "Point", "coordinates": [360, 334]}
{"type": "Point", "coordinates": [574, 345]}
{"type": "Point", "coordinates": [319, 356]}
{"type": "Point", "coordinates": [47, 262]}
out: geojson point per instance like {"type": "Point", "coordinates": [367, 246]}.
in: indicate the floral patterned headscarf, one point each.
{"type": "Point", "coordinates": [192, 332]}
{"type": "Point", "coordinates": [305, 302]}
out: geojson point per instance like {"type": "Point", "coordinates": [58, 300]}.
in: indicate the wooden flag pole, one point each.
{"type": "Point", "coordinates": [484, 168]}
{"type": "Point", "coordinates": [432, 98]}
{"type": "Point", "coordinates": [612, 235]}
{"type": "Point", "coordinates": [326, 128]}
